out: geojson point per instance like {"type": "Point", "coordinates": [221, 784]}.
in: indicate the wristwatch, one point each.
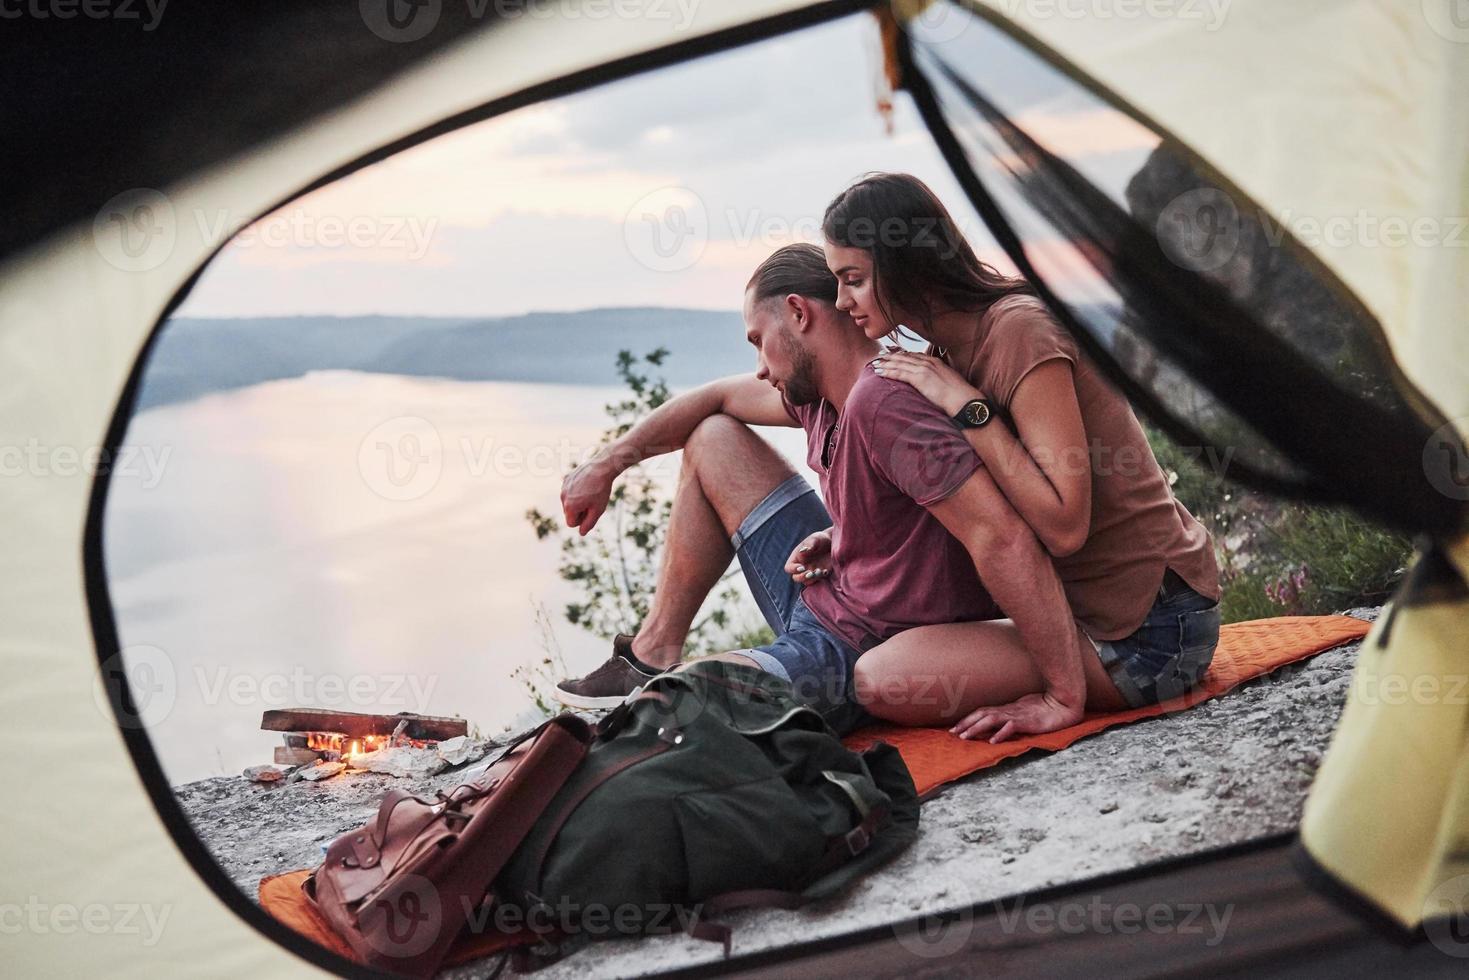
{"type": "Point", "coordinates": [974, 414]}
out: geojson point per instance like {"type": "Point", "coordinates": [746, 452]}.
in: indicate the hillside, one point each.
{"type": "Point", "coordinates": [194, 357]}
{"type": "Point", "coordinates": [1231, 769]}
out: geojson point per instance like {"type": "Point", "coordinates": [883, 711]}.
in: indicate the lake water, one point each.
{"type": "Point", "coordinates": [350, 541]}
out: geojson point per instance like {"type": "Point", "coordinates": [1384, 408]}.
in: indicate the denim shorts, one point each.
{"type": "Point", "coordinates": [817, 663]}
{"type": "Point", "coordinates": [1169, 653]}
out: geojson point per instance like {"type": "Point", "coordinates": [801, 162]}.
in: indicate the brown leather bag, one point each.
{"type": "Point", "coordinates": [401, 889]}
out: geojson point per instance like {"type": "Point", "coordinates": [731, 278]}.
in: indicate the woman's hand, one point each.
{"type": "Point", "coordinates": [1034, 714]}
{"type": "Point", "coordinates": [934, 379]}
{"type": "Point", "coordinates": [811, 560]}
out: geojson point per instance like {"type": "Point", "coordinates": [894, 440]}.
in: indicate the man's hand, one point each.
{"type": "Point", "coordinates": [1034, 714]}
{"type": "Point", "coordinates": [812, 559]}
{"type": "Point", "coordinates": [585, 492]}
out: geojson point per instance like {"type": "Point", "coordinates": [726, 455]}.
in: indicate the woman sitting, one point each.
{"type": "Point", "coordinates": [1061, 443]}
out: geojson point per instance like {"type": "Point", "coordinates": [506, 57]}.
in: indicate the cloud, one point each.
{"type": "Point", "coordinates": [778, 96]}
{"type": "Point", "coordinates": [530, 210]}
{"type": "Point", "coordinates": [1087, 132]}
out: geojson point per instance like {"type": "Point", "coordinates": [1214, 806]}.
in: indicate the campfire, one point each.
{"type": "Point", "coordinates": [320, 744]}
{"type": "Point", "coordinates": [335, 745]}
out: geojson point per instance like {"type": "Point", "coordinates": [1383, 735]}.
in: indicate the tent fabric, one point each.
{"type": "Point", "coordinates": [1404, 737]}
{"type": "Point", "coordinates": [1211, 318]}
{"type": "Point", "coordinates": [1246, 651]}
{"type": "Point", "coordinates": [75, 313]}
{"type": "Point", "coordinates": [1342, 118]}
{"type": "Point", "coordinates": [158, 92]}
{"type": "Point", "coordinates": [1276, 99]}
{"type": "Point", "coordinates": [1277, 927]}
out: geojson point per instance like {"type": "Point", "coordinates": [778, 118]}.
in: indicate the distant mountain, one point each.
{"type": "Point", "coordinates": [576, 348]}
{"type": "Point", "coordinates": [194, 357]}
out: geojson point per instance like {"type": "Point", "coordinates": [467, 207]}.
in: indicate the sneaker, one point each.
{"type": "Point", "coordinates": [608, 685]}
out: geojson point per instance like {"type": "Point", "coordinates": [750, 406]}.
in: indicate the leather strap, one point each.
{"type": "Point", "coordinates": [841, 849]}
{"type": "Point", "coordinates": [614, 721]}
{"type": "Point", "coordinates": [459, 862]}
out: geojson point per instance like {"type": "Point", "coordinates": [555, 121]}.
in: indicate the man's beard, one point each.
{"type": "Point", "coordinates": [800, 387]}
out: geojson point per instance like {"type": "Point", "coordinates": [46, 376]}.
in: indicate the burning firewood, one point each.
{"type": "Point", "coordinates": [353, 724]}
{"type": "Point", "coordinates": [323, 743]}
{"type": "Point", "coordinates": [286, 756]}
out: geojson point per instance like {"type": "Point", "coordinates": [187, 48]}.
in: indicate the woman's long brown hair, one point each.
{"type": "Point", "coordinates": [920, 260]}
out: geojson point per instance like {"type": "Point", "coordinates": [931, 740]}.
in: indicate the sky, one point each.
{"type": "Point", "coordinates": [665, 189]}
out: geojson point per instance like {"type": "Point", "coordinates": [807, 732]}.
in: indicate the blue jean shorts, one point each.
{"type": "Point", "coordinates": [1169, 653]}
{"type": "Point", "coordinates": [817, 663]}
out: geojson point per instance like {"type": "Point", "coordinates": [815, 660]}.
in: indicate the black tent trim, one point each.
{"type": "Point", "coordinates": [1277, 925]}
{"type": "Point", "coordinates": [99, 599]}
{"type": "Point", "coordinates": [100, 610]}
{"type": "Point", "coordinates": [1420, 403]}
{"type": "Point", "coordinates": [1346, 897]}
{"type": "Point", "coordinates": [1396, 496]}
{"type": "Point", "coordinates": [104, 109]}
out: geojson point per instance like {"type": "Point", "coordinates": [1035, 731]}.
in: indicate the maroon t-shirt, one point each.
{"type": "Point", "coordinates": [894, 565]}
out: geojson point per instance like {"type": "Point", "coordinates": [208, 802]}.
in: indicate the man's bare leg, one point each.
{"type": "Point", "coordinates": [726, 471]}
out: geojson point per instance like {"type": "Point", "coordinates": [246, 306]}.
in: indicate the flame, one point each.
{"type": "Point", "coordinates": [351, 749]}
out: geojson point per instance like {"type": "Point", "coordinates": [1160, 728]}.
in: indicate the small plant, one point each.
{"type": "Point", "coordinates": [615, 567]}
{"type": "Point", "coordinates": [1280, 557]}
{"type": "Point", "coordinates": [538, 678]}
{"type": "Point", "coordinates": [1286, 590]}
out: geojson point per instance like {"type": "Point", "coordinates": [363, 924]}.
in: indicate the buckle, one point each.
{"type": "Point", "coordinates": [857, 840]}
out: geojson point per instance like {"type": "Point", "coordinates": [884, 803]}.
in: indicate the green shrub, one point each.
{"type": "Point", "coordinates": [1280, 557]}
{"type": "Point", "coordinates": [615, 568]}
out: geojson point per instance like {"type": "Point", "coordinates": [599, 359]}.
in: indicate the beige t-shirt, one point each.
{"type": "Point", "coordinates": [1138, 528]}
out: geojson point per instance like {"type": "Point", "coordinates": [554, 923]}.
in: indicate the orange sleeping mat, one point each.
{"type": "Point", "coordinates": [934, 757]}
{"type": "Point", "coordinates": [1246, 650]}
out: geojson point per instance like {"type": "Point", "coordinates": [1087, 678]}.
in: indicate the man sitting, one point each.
{"type": "Point", "coordinates": [914, 521]}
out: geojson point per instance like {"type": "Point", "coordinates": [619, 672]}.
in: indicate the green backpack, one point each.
{"type": "Point", "coordinates": [710, 789]}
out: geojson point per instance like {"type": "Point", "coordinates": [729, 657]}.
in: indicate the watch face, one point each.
{"type": "Point", "coordinates": [976, 413]}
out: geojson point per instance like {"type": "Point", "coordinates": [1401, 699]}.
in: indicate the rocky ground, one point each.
{"type": "Point", "coordinates": [1227, 770]}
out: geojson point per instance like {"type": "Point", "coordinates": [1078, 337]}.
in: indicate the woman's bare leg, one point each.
{"type": "Point", "coordinates": [935, 675]}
